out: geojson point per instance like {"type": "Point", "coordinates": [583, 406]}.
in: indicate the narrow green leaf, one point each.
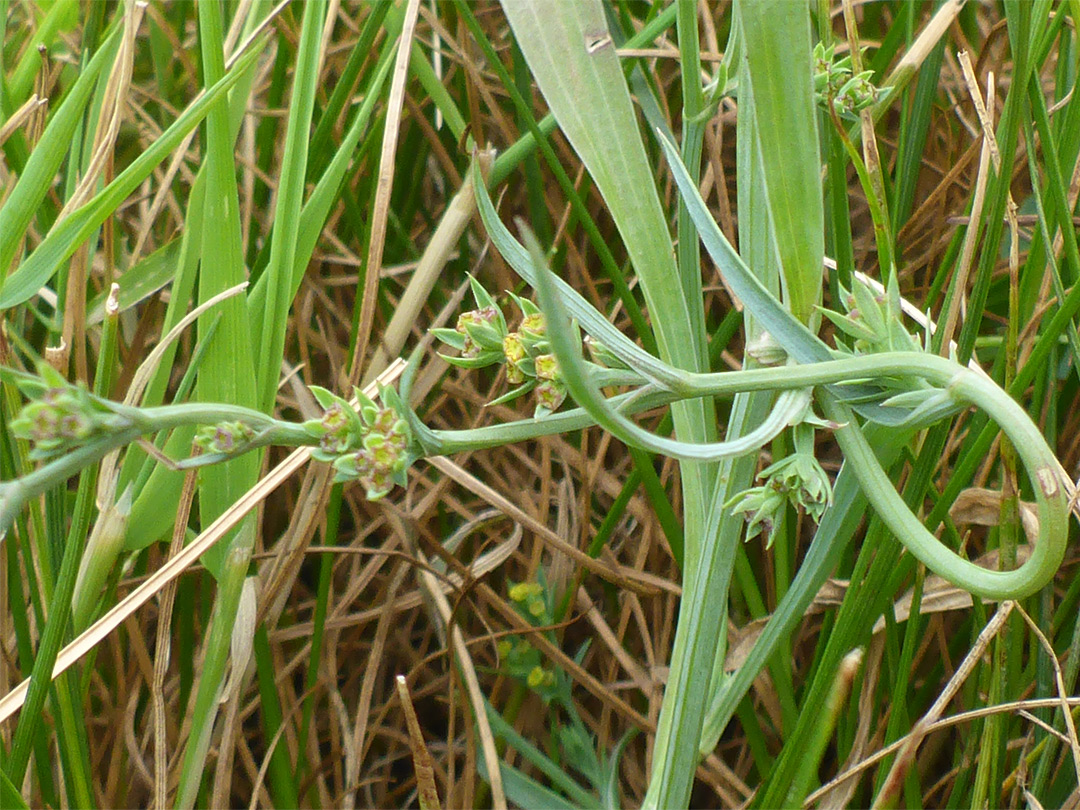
{"type": "Point", "coordinates": [40, 171]}
{"type": "Point", "coordinates": [776, 38]}
{"type": "Point", "coordinates": [66, 236]}
{"type": "Point", "coordinates": [227, 373]}
{"type": "Point", "coordinates": [269, 332]}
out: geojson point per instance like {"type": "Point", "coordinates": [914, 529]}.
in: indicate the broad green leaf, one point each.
{"type": "Point", "coordinates": [776, 38]}
{"type": "Point", "coordinates": [269, 331]}
{"type": "Point", "coordinates": [227, 373]}
{"type": "Point", "coordinates": [572, 57]}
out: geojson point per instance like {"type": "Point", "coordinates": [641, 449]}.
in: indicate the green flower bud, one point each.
{"type": "Point", "coordinates": [524, 591]}
{"type": "Point", "coordinates": [224, 438]}
{"type": "Point", "coordinates": [61, 418]}
{"type": "Point", "coordinates": [550, 394]}
{"type": "Point", "coordinates": [765, 349]}
{"type": "Point", "coordinates": [514, 351]}
{"type": "Point", "coordinates": [762, 506]}
{"type": "Point", "coordinates": [377, 484]}
{"type": "Point", "coordinates": [481, 330]}
{"type": "Point", "coordinates": [38, 421]}
{"type": "Point", "coordinates": [76, 426]}
{"type": "Point", "coordinates": [602, 355]}
{"type": "Point", "coordinates": [337, 437]}
{"type": "Point", "coordinates": [533, 326]}
{"type": "Point", "coordinates": [857, 93]}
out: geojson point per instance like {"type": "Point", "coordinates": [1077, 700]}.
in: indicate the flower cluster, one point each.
{"type": "Point", "coordinates": [225, 438]}
{"type": "Point", "coordinates": [371, 446]}
{"type": "Point", "coordinates": [797, 479]}
{"type": "Point", "coordinates": [60, 416]}
{"type": "Point", "coordinates": [833, 81]}
{"type": "Point", "coordinates": [874, 322]}
{"type": "Point", "coordinates": [483, 339]}
{"type": "Point", "coordinates": [521, 659]}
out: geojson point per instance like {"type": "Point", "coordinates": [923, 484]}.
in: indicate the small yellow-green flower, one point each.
{"type": "Point", "coordinates": [525, 590]}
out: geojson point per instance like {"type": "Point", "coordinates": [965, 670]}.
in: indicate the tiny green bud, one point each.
{"type": "Point", "coordinates": [550, 395]}
{"type": "Point", "coordinates": [514, 351]}
{"type": "Point", "coordinates": [336, 424]}
{"type": "Point", "coordinates": [766, 350]}
{"type": "Point", "coordinates": [523, 591]}
{"type": "Point", "coordinates": [533, 326]}
{"type": "Point", "coordinates": [480, 327]}
{"type": "Point", "coordinates": [224, 437]}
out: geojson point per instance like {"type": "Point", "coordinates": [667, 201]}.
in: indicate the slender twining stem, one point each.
{"type": "Point", "coordinates": [139, 422]}
{"type": "Point", "coordinates": [957, 386]}
{"type": "Point", "coordinates": [953, 388]}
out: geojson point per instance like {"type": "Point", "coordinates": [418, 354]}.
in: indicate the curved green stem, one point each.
{"type": "Point", "coordinates": [1047, 479]}
{"type": "Point", "coordinates": [790, 406]}
{"type": "Point", "coordinates": [956, 387]}
{"type": "Point", "coordinates": [959, 386]}
{"type": "Point", "coordinates": [139, 422]}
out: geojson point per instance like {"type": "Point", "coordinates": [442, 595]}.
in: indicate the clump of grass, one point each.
{"type": "Point", "coordinates": [572, 646]}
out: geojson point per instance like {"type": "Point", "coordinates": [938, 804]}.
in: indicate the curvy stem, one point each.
{"type": "Point", "coordinates": [961, 387]}
{"type": "Point", "coordinates": [13, 494]}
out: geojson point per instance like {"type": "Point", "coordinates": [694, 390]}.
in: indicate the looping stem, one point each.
{"type": "Point", "coordinates": [960, 387]}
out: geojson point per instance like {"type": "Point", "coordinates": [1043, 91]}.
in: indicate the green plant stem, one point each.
{"type": "Point", "coordinates": [959, 386]}
{"type": "Point", "coordinates": [211, 679]}
{"type": "Point", "coordinates": [51, 640]}
{"type": "Point", "coordinates": [138, 422]}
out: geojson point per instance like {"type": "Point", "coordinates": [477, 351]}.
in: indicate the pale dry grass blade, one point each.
{"type": "Point", "coordinates": [32, 105]}
{"type": "Point", "coordinates": [428, 794]}
{"type": "Point", "coordinates": [112, 110]}
{"type": "Point", "coordinates": [163, 646]}
{"type": "Point", "coordinates": [945, 722]}
{"type": "Point", "coordinates": [621, 576]}
{"type": "Point", "coordinates": [281, 572]}
{"type": "Point", "coordinates": [381, 209]}
{"type": "Point", "coordinates": [967, 251]}
{"type": "Point", "coordinates": [1063, 690]}
{"type": "Point", "coordinates": [472, 684]}
{"type": "Point", "coordinates": [893, 783]}
{"type": "Point", "coordinates": [359, 726]}
{"type": "Point", "coordinates": [637, 674]}
{"type": "Point", "coordinates": [439, 249]}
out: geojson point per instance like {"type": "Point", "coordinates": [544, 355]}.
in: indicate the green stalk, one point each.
{"type": "Point", "coordinates": [268, 333]}
{"type": "Point", "coordinates": [212, 678]}
{"type": "Point", "coordinates": [957, 386]}
{"type": "Point", "coordinates": [52, 639]}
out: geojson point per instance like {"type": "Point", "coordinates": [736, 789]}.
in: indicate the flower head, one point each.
{"type": "Point", "coordinates": [224, 437]}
